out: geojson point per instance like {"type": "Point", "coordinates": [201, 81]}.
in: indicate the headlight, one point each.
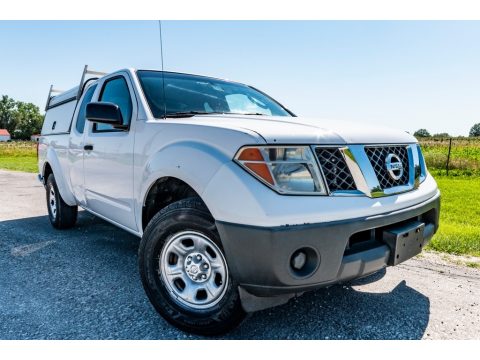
{"type": "Point", "coordinates": [287, 170]}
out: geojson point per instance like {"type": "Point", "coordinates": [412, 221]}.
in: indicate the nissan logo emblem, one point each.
{"type": "Point", "coordinates": [394, 166]}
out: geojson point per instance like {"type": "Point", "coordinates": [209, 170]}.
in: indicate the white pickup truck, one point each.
{"type": "Point", "coordinates": [239, 204]}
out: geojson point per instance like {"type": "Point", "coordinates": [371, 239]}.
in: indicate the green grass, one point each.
{"type": "Point", "coordinates": [26, 163]}
{"type": "Point", "coordinates": [473, 265]}
{"type": "Point", "coordinates": [459, 231]}
{"type": "Point", "coordinates": [19, 156]}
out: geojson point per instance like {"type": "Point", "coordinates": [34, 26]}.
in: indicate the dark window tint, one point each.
{"type": "Point", "coordinates": [116, 91]}
{"type": "Point", "coordinates": [83, 106]}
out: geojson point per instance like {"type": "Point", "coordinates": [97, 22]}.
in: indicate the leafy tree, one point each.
{"type": "Point", "coordinates": [421, 133]}
{"type": "Point", "coordinates": [7, 114]}
{"type": "Point", "coordinates": [442, 135]}
{"type": "Point", "coordinates": [475, 130]}
{"type": "Point", "coordinates": [21, 119]}
{"type": "Point", "coordinates": [28, 120]}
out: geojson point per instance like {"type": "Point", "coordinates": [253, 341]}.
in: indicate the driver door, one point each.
{"type": "Point", "coordinates": [108, 156]}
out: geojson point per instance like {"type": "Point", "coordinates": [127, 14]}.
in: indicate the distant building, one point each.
{"type": "Point", "coordinates": [35, 137]}
{"type": "Point", "coordinates": [4, 135]}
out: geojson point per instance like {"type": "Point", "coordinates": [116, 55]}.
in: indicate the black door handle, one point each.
{"type": "Point", "coordinates": [88, 147]}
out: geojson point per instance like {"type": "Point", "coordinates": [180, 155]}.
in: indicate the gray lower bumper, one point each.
{"type": "Point", "coordinates": [260, 258]}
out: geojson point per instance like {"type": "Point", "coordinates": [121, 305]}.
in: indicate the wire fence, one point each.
{"type": "Point", "coordinates": [452, 156]}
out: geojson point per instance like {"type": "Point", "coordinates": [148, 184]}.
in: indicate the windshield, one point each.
{"type": "Point", "coordinates": [188, 95]}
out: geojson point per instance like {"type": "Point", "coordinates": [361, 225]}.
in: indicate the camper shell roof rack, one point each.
{"type": "Point", "coordinates": [75, 93]}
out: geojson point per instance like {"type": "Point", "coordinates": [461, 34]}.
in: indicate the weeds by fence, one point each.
{"type": "Point", "coordinates": [18, 149]}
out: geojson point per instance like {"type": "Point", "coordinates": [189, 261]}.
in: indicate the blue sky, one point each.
{"type": "Point", "coordinates": [405, 74]}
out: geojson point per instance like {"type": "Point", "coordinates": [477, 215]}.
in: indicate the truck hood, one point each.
{"type": "Point", "coordinates": [300, 130]}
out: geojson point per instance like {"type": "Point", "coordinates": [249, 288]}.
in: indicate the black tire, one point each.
{"type": "Point", "coordinates": [185, 215]}
{"type": "Point", "coordinates": [62, 216]}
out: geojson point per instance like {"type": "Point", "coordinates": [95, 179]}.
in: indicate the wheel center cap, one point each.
{"type": "Point", "coordinates": [197, 267]}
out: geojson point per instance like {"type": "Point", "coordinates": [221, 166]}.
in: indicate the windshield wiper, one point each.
{"type": "Point", "coordinates": [254, 114]}
{"type": "Point", "coordinates": [179, 114]}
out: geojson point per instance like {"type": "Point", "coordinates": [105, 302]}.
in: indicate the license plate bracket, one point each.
{"type": "Point", "coordinates": [404, 241]}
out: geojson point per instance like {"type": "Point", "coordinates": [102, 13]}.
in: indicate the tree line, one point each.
{"type": "Point", "coordinates": [423, 133]}
{"type": "Point", "coordinates": [21, 119]}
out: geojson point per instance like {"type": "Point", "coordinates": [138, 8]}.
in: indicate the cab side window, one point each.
{"type": "Point", "coordinates": [80, 125]}
{"type": "Point", "coordinates": [116, 91]}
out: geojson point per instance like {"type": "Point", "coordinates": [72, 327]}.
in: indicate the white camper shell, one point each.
{"type": "Point", "coordinates": [60, 107]}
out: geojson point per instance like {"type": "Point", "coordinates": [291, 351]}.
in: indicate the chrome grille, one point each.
{"type": "Point", "coordinates": [377, 156]}
{"type": "Point", "coordinates": [335, 169]}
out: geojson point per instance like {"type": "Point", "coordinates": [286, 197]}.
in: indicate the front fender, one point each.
{"type": "Point", "coordinates": [194, 163]}
{"type": "Point", "coordinates": [54, 162]}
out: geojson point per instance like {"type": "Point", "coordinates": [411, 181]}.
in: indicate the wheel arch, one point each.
{"type": "Point", "coordinates": [163, 192]}
{"type": "Point", "coordinates": [47, 170]}
{"type": "Point", "coordinates": [52, 166]}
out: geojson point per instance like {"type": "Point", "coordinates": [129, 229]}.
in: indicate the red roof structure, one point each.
{"type": "Point", "coordinates": [4, 132]}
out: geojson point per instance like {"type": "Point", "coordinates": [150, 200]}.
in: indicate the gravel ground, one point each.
{"type": "Point", "coordinates": [83, 284]}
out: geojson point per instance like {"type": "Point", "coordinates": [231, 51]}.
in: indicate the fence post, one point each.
{"type": "Point", "coordinates": [448, 156]}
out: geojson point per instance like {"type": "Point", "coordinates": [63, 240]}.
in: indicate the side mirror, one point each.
{"type": "Point", "coordinates": [105, 113]}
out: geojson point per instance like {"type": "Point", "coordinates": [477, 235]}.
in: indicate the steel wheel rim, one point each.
{"type": "Point", "coordinates": [52, 202]}
{"type": "Point", "coordinates": [194, 270]}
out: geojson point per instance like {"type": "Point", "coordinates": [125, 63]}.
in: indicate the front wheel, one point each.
{"type": "Point", "coordinates": [184, 271]}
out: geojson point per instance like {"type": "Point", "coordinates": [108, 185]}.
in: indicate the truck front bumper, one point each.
{"type": "Point", "coordinates": [270, 261]}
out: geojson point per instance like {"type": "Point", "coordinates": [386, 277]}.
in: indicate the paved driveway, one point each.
{"type": "Point", "coordinates": [83, 284]}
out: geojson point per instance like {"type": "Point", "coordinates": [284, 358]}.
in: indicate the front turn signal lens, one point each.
{"type": "Point", "coordinates": [252, 158]}
{"type": "Point", "coordinates": [250, 153]}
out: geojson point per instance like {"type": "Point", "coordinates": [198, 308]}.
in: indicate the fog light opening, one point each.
{"type": "Point", "coordinates": [304, 262]}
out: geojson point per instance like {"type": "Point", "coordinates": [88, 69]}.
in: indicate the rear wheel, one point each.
{"type": "Point", "coordinates": [184, 271]}
{"type": "Point", "coordinates": [61, 215]}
